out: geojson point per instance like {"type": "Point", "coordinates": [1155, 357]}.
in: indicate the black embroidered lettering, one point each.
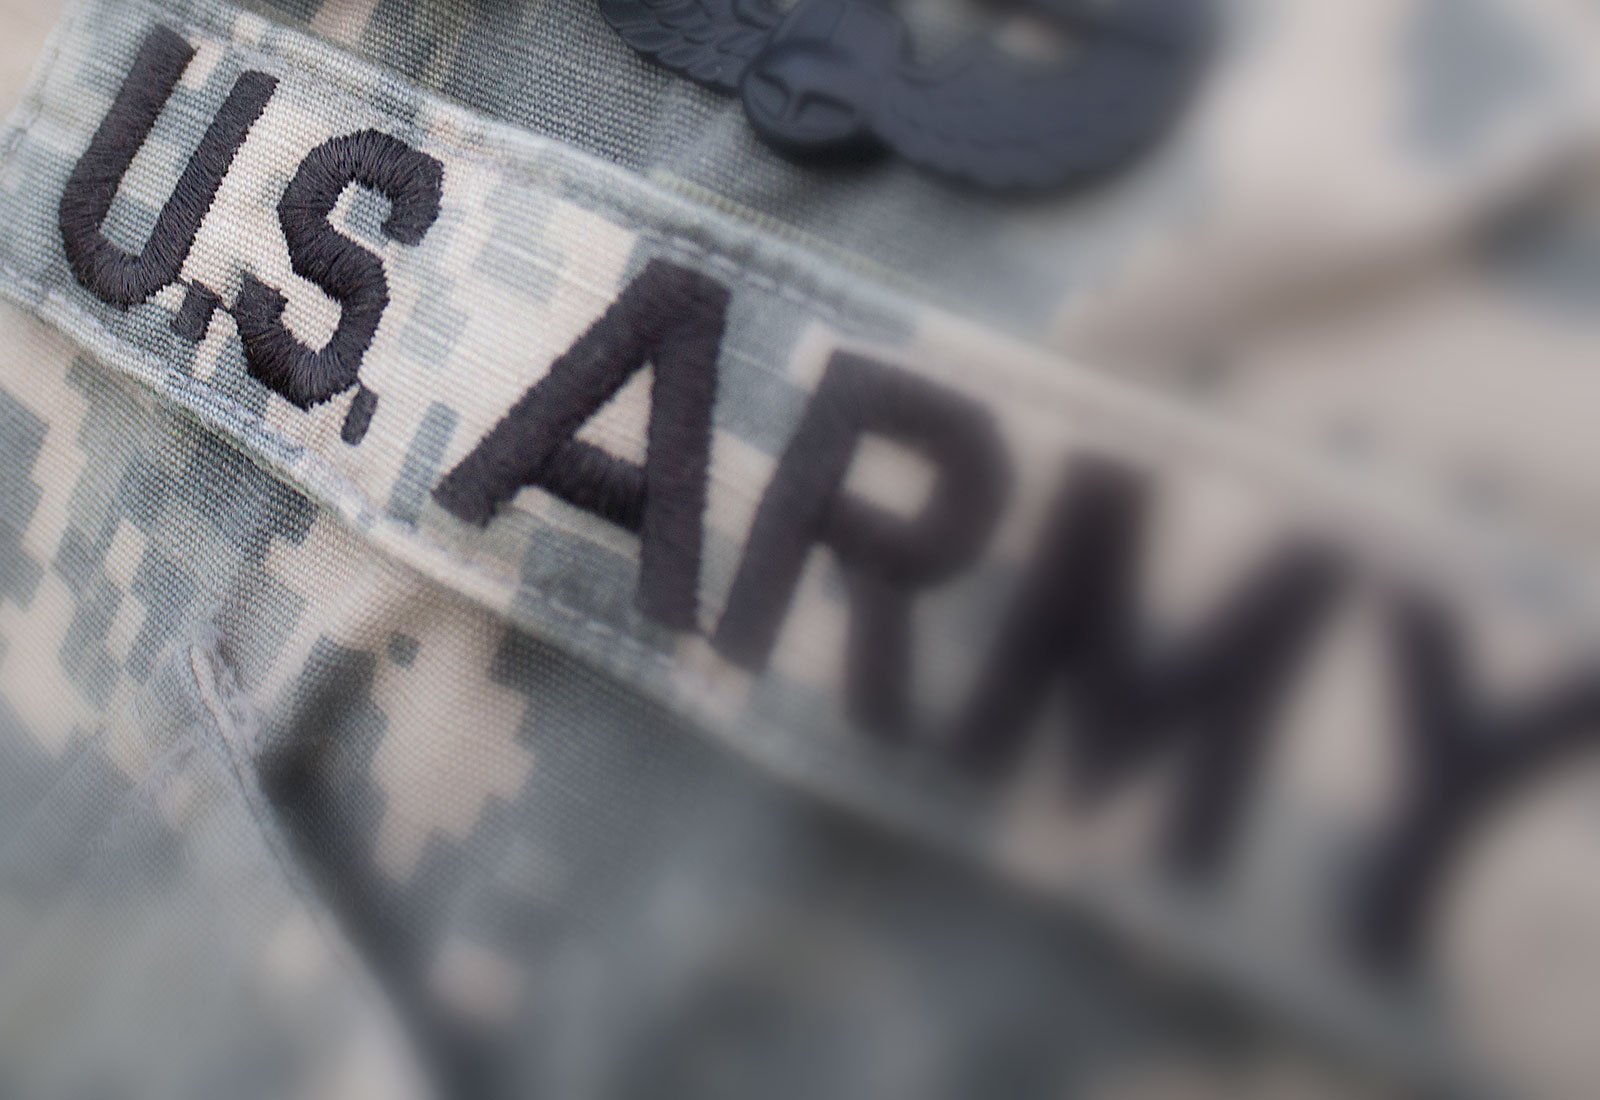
{"type": "Point", "coordinates": [194, 316]}
{"type": "Point", "coordinates": [1466, 756]}
{"type": "Point", "coordinates": [110, 273]}
{"type": "Point", "coordinates": [359, 418]}
{"type": "Point", "coordinates": [888, 559]}
{"type": "Point", "coordinates": [351, 275]}
{"type": "Point", "coordinates": [1075, 622]}
{"type": "Point", "coordinates": [669, 316]}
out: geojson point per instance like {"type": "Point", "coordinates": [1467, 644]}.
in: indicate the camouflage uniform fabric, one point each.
{"type": "Point", "coordinates": [312, 789]}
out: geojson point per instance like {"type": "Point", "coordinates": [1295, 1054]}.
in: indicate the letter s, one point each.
{"type": "Point", "coordinates": [351, 275]}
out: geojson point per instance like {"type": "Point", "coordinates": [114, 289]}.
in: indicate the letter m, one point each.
{"type": "Point", "coordinates": [1075, 626]}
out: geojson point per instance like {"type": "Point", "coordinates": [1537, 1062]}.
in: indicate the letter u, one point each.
{"type": "Point", "coordinates": [116, 276]}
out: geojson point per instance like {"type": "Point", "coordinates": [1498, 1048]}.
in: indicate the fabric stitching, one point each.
{"type": "Point", "coordinates": [204, 652]}
{"type": "Point", "coordinates": [534, 174]}
{"type": "Point", "coordinates": [541, 172]}
{"type": "Point", "coordinates": [235, 418]}
{"type": "Point", "coordinates": [1019, 385]}
{"type": "Point", "coordinates": [112, 274]}
{"type": "Point", "coordinates": [671, 317]}
{"type": "Point", "coordinates": [344, 270]}
{"type": "Point", "coordinates": [232, 416]}
{"type": "Point", "coordinates": [885, 559]}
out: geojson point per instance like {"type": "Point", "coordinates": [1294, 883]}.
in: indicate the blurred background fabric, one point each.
{"type": "Point", "coordinates": [23, 27]}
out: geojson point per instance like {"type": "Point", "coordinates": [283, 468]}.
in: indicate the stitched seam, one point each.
{"type": "Point", "coordinates": [220, 408]}
{"type": "Point", "coordinates": [517, 168]}
{"type": "Point", "coordinates": [550, 163]}
{"type": "Point", "coordinates": [226, 409]}
{"type": "Point", "coordinates": [819, 763]}
{"type": "Point", "coordinates": [229, 409]}
{"type": "Point", "coordinates": [929, 813]}
{"type": "Point", "coordinates": [203, 394]}
{"type": "Point", "coordinates": [269, 829]}
{"type": "Point", "coordinates": [1027, 386]}
{"type": "Point", "coordinates": [1072, 386]}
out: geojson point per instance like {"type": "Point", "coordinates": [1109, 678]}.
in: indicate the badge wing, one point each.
{"type": "Point", "coordinates": [710, 41]}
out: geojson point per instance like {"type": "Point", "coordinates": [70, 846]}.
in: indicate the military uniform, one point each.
{"type": "Point", "coordinates": [511, 586]}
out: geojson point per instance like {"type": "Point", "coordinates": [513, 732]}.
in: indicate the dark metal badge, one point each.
{"type": "Point", "coordinates": [838, 78]}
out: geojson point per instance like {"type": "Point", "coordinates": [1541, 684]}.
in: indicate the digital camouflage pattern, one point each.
{"type": "Point", "coordinates": [312, 789]}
